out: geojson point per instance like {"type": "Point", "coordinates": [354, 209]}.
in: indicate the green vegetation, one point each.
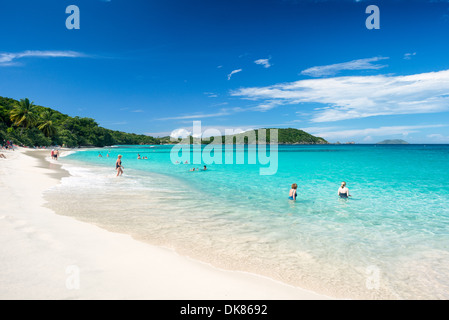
{"type": "Point", "coordinates": [27, 124]}
{"type": "Point", "coordinates": [30, 125]}
{"type": "Point", "coordinates": [285, 136]}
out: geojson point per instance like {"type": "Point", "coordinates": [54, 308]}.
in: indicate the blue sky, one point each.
{"type": "Point", "coordinates": [153, 67]}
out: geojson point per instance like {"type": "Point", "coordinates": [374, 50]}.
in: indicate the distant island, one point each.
{"type": "Point", "coordinates": [289, 136]}
{"type": "Point", "coordinates": [27, 124]}
{"type": "Point", "coordinates": [393, 141]}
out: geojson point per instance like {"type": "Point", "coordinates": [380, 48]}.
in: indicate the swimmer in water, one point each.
{"type": "Point", "coordinates": [293, 194]}
{"type": "Point", "coordinates": [343, 191]}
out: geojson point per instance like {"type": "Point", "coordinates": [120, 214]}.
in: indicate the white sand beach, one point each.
{"type": "Point", "coordinates": [48, 256]}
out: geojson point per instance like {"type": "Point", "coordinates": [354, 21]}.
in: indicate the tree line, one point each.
{"type": "Point", "coordinates": [27, 124]}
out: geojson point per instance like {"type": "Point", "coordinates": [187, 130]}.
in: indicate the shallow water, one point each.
{"type": "Point", "coordinates": [389, 241]}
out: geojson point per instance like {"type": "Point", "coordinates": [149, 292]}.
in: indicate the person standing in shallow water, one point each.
{"type": "Point", "coordinates": [293, 194]}
{"type": "Point", "coordinates": [118, 165]}
{"type": "Point", "coordinates": [343, 191]}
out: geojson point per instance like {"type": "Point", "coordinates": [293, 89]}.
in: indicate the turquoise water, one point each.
{"type": "Point", "coordinates": [390, 240]}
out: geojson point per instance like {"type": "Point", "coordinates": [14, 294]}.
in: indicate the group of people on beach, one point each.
{"type": "Point", "coordinates": [343, 191]}
{"type": "Point", "coordinates": [7, 145]}
{"type": "Point", "coordinates": [54, 154]}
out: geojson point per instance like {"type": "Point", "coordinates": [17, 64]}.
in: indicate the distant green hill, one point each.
{"type": "Point", "coordinates": [285, 136]}
{"type": "Point", "coordinates": [393, 141]}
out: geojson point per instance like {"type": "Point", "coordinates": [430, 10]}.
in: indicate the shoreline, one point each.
{"type": "Point", "coordinates": [50, 256]}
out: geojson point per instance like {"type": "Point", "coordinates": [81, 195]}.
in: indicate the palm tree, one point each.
{"type": "Point", "coordinates": [46, 123]}
{"type": "Point", "coordinates": [24, 114]}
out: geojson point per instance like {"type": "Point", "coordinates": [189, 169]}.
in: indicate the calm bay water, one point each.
{"type": "Point", "coordinates": [390, 240]}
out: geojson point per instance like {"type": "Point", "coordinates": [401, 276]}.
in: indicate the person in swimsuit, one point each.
{"type": "Point", "coordinates": [343, 191]}
{"type": "Point", "coordinates": [293, 194]}
{"type": "Point", "coordinates": [118, 165]}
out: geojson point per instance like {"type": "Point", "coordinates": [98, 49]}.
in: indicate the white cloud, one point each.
{"type": "Point", "coordinates": [264, 62]}
{"type": "Point", "coordinates": [353, 97]}
{"type": "Point", "coordinates": [369, 133]}
{"type": "Point", "coordinates": [234, 72]}
{"type": "Point", "coordinates": [320, 129]}
{"type": "Point", "coordinates": [438, 137]}
{"type": "Point", "coordinates": [222, 112]}
{"type": "Point", "coordinates": [268, 105]}
{"type": "Point", "coordinates": [197, 116]}
{"type": "Point", "coordinates": [10, 59]}
{"type": "Point", "coordinates": [180, 133]}
{"type": "Point", "coordinates": [211, 131]}
{"type": "Point", "coordinates": [408, 56]}
{"type": "Point", "coordinates": [333, 69]}
{"type": "Point", "coordinates": [159, 134]}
